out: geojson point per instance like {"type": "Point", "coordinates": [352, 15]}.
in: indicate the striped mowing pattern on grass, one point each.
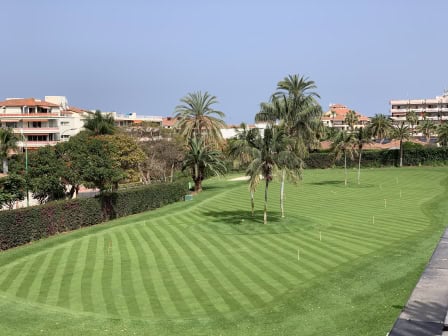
{"type": "Point", "coordinates": [211, 258]}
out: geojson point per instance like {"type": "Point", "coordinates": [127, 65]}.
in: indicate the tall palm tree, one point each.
{"type": "Point", "coordinates": [401, 132]}
{"type": "Point", "coordinates": [344, 144]}
{"type": "Point", "coordinates": [8, 142]}
{"type": "Point", "coordinates": [99, 124]}
{"type": "Point", "coordinates": [241, 149]}
{"type": "Point", "coordinates": [361, 137]}
{"type": "Point", "coordinates": [427, 128]}
{"type": "Point", "coordinates": [196, 117]}
{"type": "Point", "coordinates": [442, 133]}
{"type": "Point", "coordinates": [351, 118]}
{"type": "Point", "coordinates": [267, 150]}
{"type": "Point", "coordinates": [412, 119]}
{"type": "Point", "coordinates": [202, 160]}
{"type": "Point", "coordinates": [380, 126]}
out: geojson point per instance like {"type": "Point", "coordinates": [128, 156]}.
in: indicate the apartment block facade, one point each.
{"type": "Point", "coordinates": [435, 109]}
{"type": "Point", "coordinates": [39, 122]}
{"type": "Point", "coordinates": [335, 118]}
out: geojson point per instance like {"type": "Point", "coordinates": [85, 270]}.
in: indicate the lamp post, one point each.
{"type": "Point", "coordinates": [25, 145]}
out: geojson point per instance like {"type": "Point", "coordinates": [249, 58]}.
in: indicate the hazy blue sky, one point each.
{"type": "Point", "coordinates": [143, 56]}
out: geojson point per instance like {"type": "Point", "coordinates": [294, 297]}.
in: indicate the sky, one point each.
{"type": "Point", "coordinates": [144, 56]}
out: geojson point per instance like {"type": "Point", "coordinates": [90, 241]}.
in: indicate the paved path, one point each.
{"type": "Point", "coordinates": [425, 314]}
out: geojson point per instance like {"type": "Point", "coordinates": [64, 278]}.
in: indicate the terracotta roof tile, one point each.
{"type": "Point", "coordinates": [30, 102]}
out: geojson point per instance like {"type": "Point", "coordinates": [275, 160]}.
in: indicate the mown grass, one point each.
{"type": "Point", "coordinates": [206, 267]}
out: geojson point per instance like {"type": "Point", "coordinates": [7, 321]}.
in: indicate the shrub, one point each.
{"type": "Point", "coordinates": [21, 226]}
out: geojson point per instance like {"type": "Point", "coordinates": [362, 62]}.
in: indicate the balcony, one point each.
{"type": "Point", "coordinates": [35, 144]}
{"type": "Point", "coordinates": [36, 130]}
{"type": "Point", "coordinates": [26, 116]}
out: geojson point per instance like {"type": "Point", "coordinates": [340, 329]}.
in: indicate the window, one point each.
{"type": "Point", "coordinates": [65, 123]}
{"type": "Point", "coordinates": [37, 138]}
{"type": "Point", "coordinates": [11, 124]}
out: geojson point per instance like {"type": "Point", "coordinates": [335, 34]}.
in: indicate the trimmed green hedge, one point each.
{"type": "Point", "coordinates": [382, 158]}
{"type": "Point", "coordinates": [21, 226]}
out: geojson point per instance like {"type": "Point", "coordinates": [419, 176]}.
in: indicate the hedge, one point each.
{"type": "Point", "coordinates": [21, 226]}
{"type": "Point", "coordinates": [382, 158]}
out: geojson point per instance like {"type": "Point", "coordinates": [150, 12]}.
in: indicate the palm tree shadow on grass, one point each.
{"type": "Point", "coordinates": [340, 184]}
{"type": "Point", "coordinates": [237, 222]}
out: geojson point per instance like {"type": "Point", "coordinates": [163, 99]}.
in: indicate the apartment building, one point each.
{"type": "Point", "coordinates": [435, 109]}
{"type": "Point", "coordinates": [39, 122]}
{"type": "Point", "coordinates": [335, 118]}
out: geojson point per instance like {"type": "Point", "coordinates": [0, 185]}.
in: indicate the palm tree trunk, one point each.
{"type": "Point", "coordinates": [359, 166]}
{"type": "Point", "coordinates": [345, 168]}
{"type": "Point", "coordinates": [252, 202]}
{"type": "Point", "coordinates": [282, 194]}
{"type": "Point", "coordinates": [5, 166]}
{"type": "Point", "coordinates": [401, 153]}
{"type": "Point", "coordinates": [265, 218]}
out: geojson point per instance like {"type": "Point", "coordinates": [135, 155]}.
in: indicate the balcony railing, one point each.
{"type": "Point", "coordinates": [36, 130]}
{"type": "Point", "coordinates": [35, 144]}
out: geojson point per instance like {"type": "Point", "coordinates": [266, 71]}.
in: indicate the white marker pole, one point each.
{"type": "Point", "coordinates": [373, 220]}
{"type": "Point", "coordinates": [320, 235]}
{"type": "Point", "coordinates": [385, 203]}
{"type": "Point", "coordinates": [298, 254]}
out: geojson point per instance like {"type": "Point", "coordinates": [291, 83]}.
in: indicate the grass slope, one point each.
{"type": "Point", "coordinates": [207, 267]}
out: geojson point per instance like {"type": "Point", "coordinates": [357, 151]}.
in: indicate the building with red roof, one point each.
{"type": "Point", "coordinates": [336, 115]}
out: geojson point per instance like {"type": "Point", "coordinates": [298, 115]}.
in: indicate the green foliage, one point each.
{"type": "Point", "coordinates": [197, 118]}
{"type": "Point", "coordinates": [21, 226]}
{"type": "Point", "coordinates": [8, 142]}
{"type": "Point", "coordinates": [202, 161]}
{"type": "Point", "coordinates": [414, 156]}
{"type": "Point", "coordinates": [45, 170]}
{"type": "Point", "coordinates": [99, 124]}
{"type": "Point", "coordinates": [12, 189]}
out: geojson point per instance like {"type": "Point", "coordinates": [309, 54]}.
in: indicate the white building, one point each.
{"type": "Point", "coordinates": [435, 109]}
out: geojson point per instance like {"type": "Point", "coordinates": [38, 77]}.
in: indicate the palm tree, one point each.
{"type": "Point", "coordinates": [361, 137]}
{"type": "Point", "coordinates": [427, 128]}
{"type": "Point", "coordinates": [196, 117]}
{"type": "Point", "coordinates": [412, 119]}
{"type": "Point", "coordinates": [99, 124]}
{"type": "Point", "coordinates": [351, 118]}
{"type": "Point", "coordinates": [442, 133]}
{"type": "Point", "coordinates": [401, 132]}
{"type": "Point", "coordinates": [380, 126]}
{"type": "Point", "coordinates": [344, 144]}
{"type": "Point", "coordinates": [202, 160]}
{"type": "Point", "coordinates": [266, 151]}
{"type": "Point", "coordinates": [8, 142]}
{"type": "Point", "coordinates": [240, 148]}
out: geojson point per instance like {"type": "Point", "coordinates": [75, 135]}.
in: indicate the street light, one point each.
{"type": "Point", "coordinates": [25, 145]}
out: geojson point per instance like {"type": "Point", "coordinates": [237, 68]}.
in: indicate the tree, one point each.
{"type": "Point", "coordinates": [99, 124]}
{"type": "Point", "coordinates": [163, 157]}
{"type": "Point", "coordinates": [8, 142]}
{"type": "Point", "coordinates": [401, 132]}
{"type": "Point", "coordinates": [240, 148]}
{"type": "Point", "coordinates": [101, 169]}
{"type": "Point", "coordinates": [361, 137]}
{"type": "Point", "coordinates": [128, 153]}
{"type": "Point", "coordinates": [427, 128]}
{"type": "Point", "coordinates": [351, 118]}
{"type": "Point", "coordinates": [45, 171]}
{"type": "Point", "coordinates": [202, 160]}
{"type": "Point", "coordinates": [12, 190]}
{"type": "Point", "coordinates": [196, 118]}
{"type": "Point", "coordinates": [442, 133]}
{"type": "Point", "coordinates": [380, 126]}
{"type": "Point", "coordinates": [267, 151]}
{"type": "Point", "coordinates": [344, 144]}
{"type": "Point", "coordinates": [412, 119]}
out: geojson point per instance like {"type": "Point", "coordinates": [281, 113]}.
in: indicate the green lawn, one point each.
{"type": "Point", "coordinates": [205, 267]}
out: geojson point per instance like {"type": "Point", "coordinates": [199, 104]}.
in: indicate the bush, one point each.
{"type": "Point", "coordinates": [382, 158]}
{"type": "Point", "coordinates": [21, 226]}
